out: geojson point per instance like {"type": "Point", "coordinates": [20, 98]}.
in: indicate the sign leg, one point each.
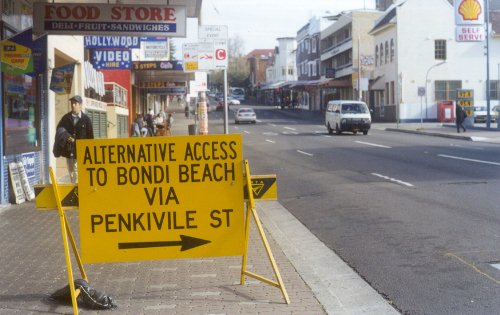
{"type": "Point", "coordinates": [251, 208]}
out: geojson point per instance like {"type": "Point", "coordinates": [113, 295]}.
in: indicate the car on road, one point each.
{"type": "Point", "coordinates": [233, 101]}
{"type": "Point", "coordinates": [347, 115]}
{"type": "Point", "coordinates": [480, 114]}
{"type": "Point", "coordinates": [245, 114]}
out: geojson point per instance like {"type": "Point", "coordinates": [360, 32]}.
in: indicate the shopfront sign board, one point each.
{"type": "Point", "coordinates": [109, 19]}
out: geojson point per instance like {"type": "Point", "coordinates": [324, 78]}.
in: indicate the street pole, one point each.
{"type": "Point", "coordinates": [226, 123]}
{"type": "Point", "coordinates": [426, 93]}
{"type": "Point", "coordinates": [421, 116]}
{"type": "Point", "coordinates": [486, 15]}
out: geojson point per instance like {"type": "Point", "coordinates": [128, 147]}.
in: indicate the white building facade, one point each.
{"type": "Point", "coordinates": [415, 49]}
{"type": "Point", "coordinates": [281, 73]}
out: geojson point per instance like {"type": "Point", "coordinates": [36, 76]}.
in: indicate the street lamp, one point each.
{"type": "Point", "coordinates": [426, 76]}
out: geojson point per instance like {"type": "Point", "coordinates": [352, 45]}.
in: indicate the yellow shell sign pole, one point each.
{"type": "Point", "coordinates": [244, 272]}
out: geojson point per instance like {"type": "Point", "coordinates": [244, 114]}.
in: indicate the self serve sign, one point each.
{"type": "Point", "coordinates": [161, 198]}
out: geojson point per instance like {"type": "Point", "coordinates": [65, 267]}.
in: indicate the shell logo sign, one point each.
{"type": "Point", "coordinates": [470, 10]}
{"type": "Point", "coordinates": [469, 20]}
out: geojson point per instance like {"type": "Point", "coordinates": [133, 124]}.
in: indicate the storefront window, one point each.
{"type": "Point", "coordinates": [21, 114]}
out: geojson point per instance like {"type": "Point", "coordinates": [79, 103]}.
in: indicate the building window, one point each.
{"type": "Point", "coordinates": [440, 49]}
{"type": "Point", "coordinates": [446, 90]}
{"type": "Point", "coordinates": [386, 52]}
{"type": "Point", "coordinates": [392, 50]}
{"type": "Point", "coordinates": [21, 111]}
{"type": "Point", "coordinates": [494, 90]}
{"type": "Point", "coordinates": [99, 123]}
{"type": "Point", "coordinates": [376, 55]}
{"type": "Point", "coordinates": [381, 54]}
{"type": "Point", "coordinates": [392, 93]}
{"type": "Point", "coordinates": [122, 126]}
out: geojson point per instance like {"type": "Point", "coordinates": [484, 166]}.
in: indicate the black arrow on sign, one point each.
{"type": "Point", "coordinates": [186, 242]}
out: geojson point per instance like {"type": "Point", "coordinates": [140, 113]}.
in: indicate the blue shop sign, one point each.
{"type": "Point", "coordinates": [112, 59]}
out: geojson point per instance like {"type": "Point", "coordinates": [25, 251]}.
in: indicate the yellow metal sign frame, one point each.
{"type": "Point", "coordinates": [52, 194]}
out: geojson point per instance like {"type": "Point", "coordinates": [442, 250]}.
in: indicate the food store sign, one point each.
{"type": "Point", "coordinates": [109, 19]}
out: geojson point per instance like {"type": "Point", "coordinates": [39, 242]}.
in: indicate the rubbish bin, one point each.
{"type": "Point", "coordinates": [193, 129]}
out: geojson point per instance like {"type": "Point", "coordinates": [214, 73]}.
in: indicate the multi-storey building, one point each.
{"type": "Point", "coordinates": [347, 56]}
{"type": "Point", "coordinates": [281, 73]}
{"type": "Point", "coordinates": [419, 65]}
{"type": "Point", "coordinates": [258, 60]}
{"type": "Point", "coordinates": [307, 92]}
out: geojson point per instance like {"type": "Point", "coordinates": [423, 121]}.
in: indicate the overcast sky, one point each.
{"type": "Point", "coordinates": [260, 22]}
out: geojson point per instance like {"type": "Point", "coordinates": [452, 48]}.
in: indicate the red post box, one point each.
{"type": "Point", "coordinates": [446, 111]}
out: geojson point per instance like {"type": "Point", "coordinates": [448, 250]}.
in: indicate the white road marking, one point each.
{"type": "Point", "coordinates": [305, 153]}
{"type": "Point", "coordinates": [466, 159]}
{"type": "Point", "coordinates": [393, 180]}
{"type": "Point", "coordinates": [373, 144]}
{"type": "Point", "coordinates": [290, 128]}
{"type": "Point", "coordinates": [271, 141]}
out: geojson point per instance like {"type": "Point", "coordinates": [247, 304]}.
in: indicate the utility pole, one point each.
{"type": "Point", "coordinates": [488, 101]}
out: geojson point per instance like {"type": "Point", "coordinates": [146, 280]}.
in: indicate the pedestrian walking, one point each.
{"type": "Point", "coordinates": [460, 117]}
{"type": "Point", "coordinates": [170, 122]}
{"type": "Point", "coordinates": [73, 126]}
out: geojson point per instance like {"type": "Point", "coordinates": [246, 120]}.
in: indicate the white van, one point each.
{"type": "Point", "coordinates": [350, 116]}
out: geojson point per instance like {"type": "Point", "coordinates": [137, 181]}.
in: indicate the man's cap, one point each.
{"type": "Point", "coordinates": [76, 98]}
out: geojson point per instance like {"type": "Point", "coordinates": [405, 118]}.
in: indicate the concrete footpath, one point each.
{"type": "Point", "coordinates": [478, 133]}
{"type": "Point", "coordinates": [32, 265]}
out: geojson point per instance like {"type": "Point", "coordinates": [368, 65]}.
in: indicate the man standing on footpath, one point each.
{"type": "Point", "coordinates": [460, 117]}
{"type": "Point", "coordinates": [79, 126]}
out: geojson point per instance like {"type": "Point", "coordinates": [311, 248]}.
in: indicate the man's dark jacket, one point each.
{"type": "Point", "coordinates": [82, 130]}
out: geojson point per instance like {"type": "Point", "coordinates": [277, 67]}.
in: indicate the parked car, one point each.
{"type": "Point", "coordinates": [245, 114]}
{"type": "Point", "coordinates": [233, 101]}
{"type": "Point", "coordinates": [496, 111]}
{"type": "Point", "coordinates": [480, 114]}
{"type": "Point", "coordinates": [350, 116]}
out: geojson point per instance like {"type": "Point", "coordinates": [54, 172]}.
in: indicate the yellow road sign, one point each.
{"type": "Point", "coordinates": [45, 198]}
{"type": "Point", "coordinates": [160, 197]}
{"type": "Point", "coordinates": [263, 187]}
